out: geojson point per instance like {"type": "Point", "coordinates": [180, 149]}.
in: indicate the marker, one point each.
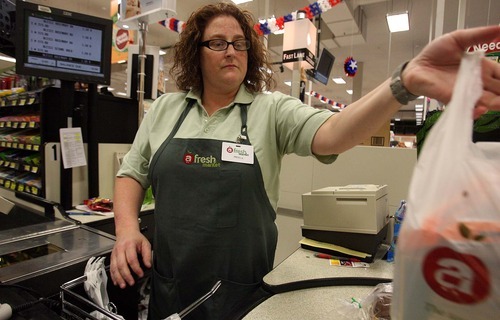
{"type": "Point", "coordinates": [328, 256]}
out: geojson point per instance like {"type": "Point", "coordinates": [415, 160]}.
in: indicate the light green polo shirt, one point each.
{"type": "Point", "coordinates": [278, 124]}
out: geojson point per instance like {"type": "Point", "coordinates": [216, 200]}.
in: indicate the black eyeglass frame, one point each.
{"type": "Point", "coordinates": [207, 44]}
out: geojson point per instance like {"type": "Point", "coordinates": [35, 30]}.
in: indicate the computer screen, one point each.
{"type": "Point", "coordinates": [59, 44]}
{"type": "Point", "coordinates": [324, 67]}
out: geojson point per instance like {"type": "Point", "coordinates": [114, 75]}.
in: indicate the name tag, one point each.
{"type": "Point", "coordinates": [233, 152]}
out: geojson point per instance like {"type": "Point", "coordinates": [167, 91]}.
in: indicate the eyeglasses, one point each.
{"type": "Point", "coordinates": [221, 45]}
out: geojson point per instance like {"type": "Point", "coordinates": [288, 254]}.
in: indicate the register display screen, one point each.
{"type": "Point", "coordinates": [60, 44]}
{"type": "Point", "coordinates": [55, 45]}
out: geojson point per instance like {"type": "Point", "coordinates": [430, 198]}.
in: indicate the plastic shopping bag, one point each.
{"type": "Point", "coordinates": [448, 259]}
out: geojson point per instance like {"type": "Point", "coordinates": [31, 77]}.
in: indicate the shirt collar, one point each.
{"type": "Point", "coordinates": [242, 97]}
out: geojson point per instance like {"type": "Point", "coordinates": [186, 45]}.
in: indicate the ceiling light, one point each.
{"type": "Point", "coordinates": [162, 52]}
{"type": "Point", "coordinates": [349, 91]}
{"type": "Point", "coordinates": [8, 59]}
{"type": "Point", "coordinates": [339, 80]}
{"type": "Point", "coordinates": [240, 1]}
{"type": "Point", "coordinates": [398, 22]}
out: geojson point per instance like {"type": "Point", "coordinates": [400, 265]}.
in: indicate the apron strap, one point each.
{"type": "Point", "coordinates": [243, 137]}
{"type": "Point", "coordinates": [181, 119]}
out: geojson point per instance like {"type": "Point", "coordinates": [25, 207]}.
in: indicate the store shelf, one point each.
{"type": "Point", "coordinates": [18, 98]}
{"type": "Point", "coordinates": [21, 169]}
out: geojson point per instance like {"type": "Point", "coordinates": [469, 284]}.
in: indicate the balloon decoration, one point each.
{"type": "Point", "coordinates": [350, 67]}
{"type": "Point", "coordinates": [326, 100]}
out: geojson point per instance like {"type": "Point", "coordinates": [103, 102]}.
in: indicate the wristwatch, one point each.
{"type": "Point", "coordinates": [398, 89]}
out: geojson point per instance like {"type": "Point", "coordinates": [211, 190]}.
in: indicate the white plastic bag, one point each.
{"type": "Point", "coordinates": [448, 258]}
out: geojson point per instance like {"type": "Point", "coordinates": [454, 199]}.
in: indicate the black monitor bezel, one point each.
{"type": "Point", "coordinates": [322, 75]}
{"type": "Point", "coordinates": [23, 9]}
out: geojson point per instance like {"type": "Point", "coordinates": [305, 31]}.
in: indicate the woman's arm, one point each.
{"type": "Point", "coordinates": [130, 242]}
{"type": "Point", "coordinates": [432, 74]}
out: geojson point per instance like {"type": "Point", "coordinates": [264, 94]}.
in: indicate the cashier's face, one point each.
{"type": "Point", "coordinates": [223, 70]}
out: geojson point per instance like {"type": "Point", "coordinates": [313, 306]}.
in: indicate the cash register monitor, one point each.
{"type": "Point", "coordinates": [60, 44]}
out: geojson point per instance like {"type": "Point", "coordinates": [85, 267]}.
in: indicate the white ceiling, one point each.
{"type": "Point", "coordinates": [354, 28]}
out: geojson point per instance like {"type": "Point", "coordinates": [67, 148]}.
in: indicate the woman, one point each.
{"type": "Point", "coordinates": [212, 155]}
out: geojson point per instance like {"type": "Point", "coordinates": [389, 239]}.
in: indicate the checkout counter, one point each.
{"type": "Point", "coordinates": [304, 286]}
{"type": "Point", "coordinates": [327, 289]}
{"type": "Point", "coordinates": [40, 250]}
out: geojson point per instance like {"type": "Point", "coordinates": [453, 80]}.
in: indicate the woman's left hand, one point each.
{"type": "Point", "coordinates": [433, 72]}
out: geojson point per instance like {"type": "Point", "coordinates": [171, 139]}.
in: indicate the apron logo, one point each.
{"type": "Point", "coordinates": [208, 161]}
{"type": "Point", "coordinates": [188, 158]}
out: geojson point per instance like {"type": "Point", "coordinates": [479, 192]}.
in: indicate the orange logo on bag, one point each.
{"type": "Point", "coordinates": [455, 276]}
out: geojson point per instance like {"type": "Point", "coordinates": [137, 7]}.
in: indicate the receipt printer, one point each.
{"type": "Point", "coordinates": [352, 216]}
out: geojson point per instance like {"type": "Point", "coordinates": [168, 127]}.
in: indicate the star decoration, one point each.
{"type": "Point", "coordinates": [350, 67]}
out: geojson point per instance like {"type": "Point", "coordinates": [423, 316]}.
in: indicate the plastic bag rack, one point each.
{"type": "Point", "coordinates": [77, 306]}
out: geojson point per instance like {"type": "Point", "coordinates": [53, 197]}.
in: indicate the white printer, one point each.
{"type": "Point", "coordinates": [353, 216]}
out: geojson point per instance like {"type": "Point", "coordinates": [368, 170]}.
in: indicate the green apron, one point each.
{"type": "Point", "coordinates": [213, 221]}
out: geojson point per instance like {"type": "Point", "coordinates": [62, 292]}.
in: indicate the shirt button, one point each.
{"type": "Point", "coordinates": [206, 130]}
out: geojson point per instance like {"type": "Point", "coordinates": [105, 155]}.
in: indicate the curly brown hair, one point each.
{"type": "Point", "coordinates": [186, 68]}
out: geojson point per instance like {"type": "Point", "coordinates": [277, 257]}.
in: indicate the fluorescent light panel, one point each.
{"type": "Point", "coordinates": [240, 1]}
{"type": "Point", "coordinates": [339, 80]}
{"type": "Point", "coordinates": [8, 59]}
{"type": "Point", "coordinates": [398, 22]}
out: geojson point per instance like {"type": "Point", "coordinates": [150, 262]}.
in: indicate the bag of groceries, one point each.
{"type": "Point", "coordinates": [448, 261]}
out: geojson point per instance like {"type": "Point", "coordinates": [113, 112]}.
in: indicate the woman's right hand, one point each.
{"type": "Point", "coordinates": [127, 251]}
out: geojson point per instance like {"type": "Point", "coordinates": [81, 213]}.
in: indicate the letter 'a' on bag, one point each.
{"type": "Point", "coordinates": [448, 258]}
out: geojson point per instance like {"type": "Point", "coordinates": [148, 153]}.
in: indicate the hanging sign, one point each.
{"type": "Point", "coordinates": [299, 43]}
{"type": "Point", "coordinates": [298, 55]}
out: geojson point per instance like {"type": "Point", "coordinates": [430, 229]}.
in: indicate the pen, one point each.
{"type": "Point", "coordinates": [328, 256]}
{"type": "Point", "coordinates": [83, 213]}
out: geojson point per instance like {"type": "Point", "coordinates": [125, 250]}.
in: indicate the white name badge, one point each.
{"type": "Point", "coordinates": [233, 152]}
